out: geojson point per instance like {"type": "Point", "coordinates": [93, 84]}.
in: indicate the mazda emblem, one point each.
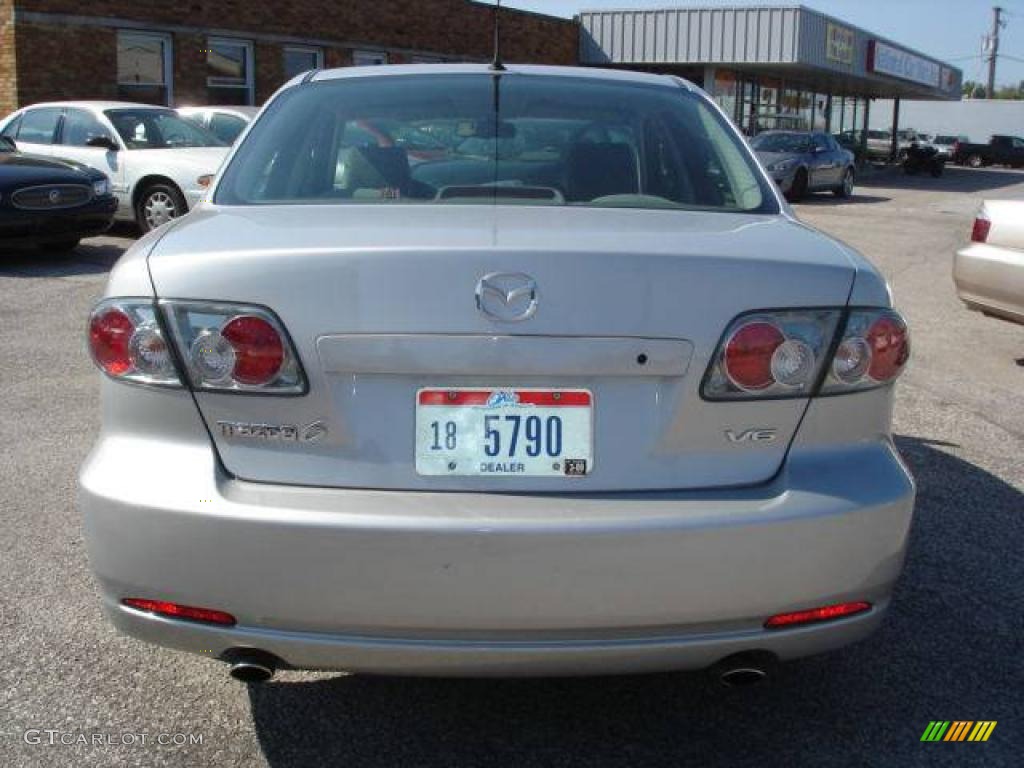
{"type": "Point", "coordinates": [507, 297]}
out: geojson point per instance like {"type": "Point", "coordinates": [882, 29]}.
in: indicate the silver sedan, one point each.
{"type": "Point", "coordinates": [573, 394]}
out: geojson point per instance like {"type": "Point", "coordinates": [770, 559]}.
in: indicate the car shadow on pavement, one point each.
{"type": "Point", "coordinates": [826, 198]}
{"type": "Point", "coordinates": [953, 179]}
{"type": "Point", "coordinates": [89, 258]}
{"type": "Point", "coordinates": [950, 649]}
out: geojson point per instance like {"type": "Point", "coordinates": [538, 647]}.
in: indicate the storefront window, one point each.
{"type": "Point", "coordinates": [143, 71]}
{"type": "Point", "coordinates": [724, 91]}
{"type": "Point", "coordinates": [768, 105]}
{"type": "Point", "coordinates": [819, 105]}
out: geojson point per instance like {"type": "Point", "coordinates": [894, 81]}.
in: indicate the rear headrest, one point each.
{"type": "Point", "coordinates": [378, 168]}
{"type": "Point", "coordinates": [600, 169]}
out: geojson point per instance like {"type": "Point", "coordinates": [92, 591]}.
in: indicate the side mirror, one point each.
{"type": "Point", "coordinates": [8, 142]}
{"type": "Point", "coordinates": [103, 142]}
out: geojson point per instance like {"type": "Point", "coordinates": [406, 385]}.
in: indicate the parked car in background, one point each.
{"type": "Point", "coordinates": [946, 144]}
{"type": "Point", "coordinates": [49, 202]}
{"type": "Point", "coordinates": [989, 271]}
{"type": "Point", "coordinates": [1000, 150]}
{"type": "Point", "coordinates": [588, 399]}
{"type": "Point", "coordinates": [879, 145]}
{"type": "Point", "coordinates": [852, 142]}
{"type": "Point", "coordinates": [226, 123]}
{"type": "Point", "coordinates": [806, 161]}
{"type": "Point", "coordinates": [153, 157]}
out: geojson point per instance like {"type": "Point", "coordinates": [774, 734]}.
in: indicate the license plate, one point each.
{"type": "Point", "coordinates": [504, 432]}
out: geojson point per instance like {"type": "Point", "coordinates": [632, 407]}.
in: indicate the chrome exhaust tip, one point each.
{"type": "Point", "coordinates": [744, 670]}
{"type": "Point", "coordinates": [743, 677]}
{"type": "Point", "coordinates": [251, 666]}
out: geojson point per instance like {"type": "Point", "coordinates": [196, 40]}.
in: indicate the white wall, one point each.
{"type": "Point", "coordinates": [976, 118]}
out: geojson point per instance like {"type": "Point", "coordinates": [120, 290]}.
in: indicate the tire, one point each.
{"type": "Point", "coordinates": [975, 161]}
{"type": "Point", "coordinates": [157, 204]}
{"type": "Point", "coordinates": [845, 189]}
{"type": "Point", "coordinates": [937, 169]}
{"type": "Point", "coordinates": [799, 189]}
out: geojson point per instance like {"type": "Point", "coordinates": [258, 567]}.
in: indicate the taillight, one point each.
{"type": "Point", "coordinates": [235, 347]}
{"type": "Point", "coordinates": [785, 353]}
{"type": "Point", "coordinates": [771, 354]}
{"type": "Point", "coordinates": [980, 230]}
{"type": "Point", "coordinates": [814, 615]}
{"type": "Point", "coordinates": [127, 344]}
{"type": "Point", "coordinates": [873, 350]}
{"type": "Point", "coordinates": [177, 611]}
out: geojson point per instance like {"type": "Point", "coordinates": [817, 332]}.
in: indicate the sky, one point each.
{"type": "Point", "coordinates": [950, 30]}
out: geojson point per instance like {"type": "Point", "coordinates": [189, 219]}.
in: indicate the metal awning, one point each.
{"type": "Point", "coordinates": [790, 42]}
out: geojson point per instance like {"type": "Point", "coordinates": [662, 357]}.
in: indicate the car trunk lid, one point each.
{"type": "Point", "coordinates": [380, 302]}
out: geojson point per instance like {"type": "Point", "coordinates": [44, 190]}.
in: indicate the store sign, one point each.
{"type": "Point", "coordinates": [895, 62]}
{"type": "Point", "coordinates": [839, 44]}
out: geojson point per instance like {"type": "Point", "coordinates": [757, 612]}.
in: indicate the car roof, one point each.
{"type": "Point", "coordinates": [231, 109]}
{"type": "Point", "coordinates": [595, 73]}
{"type": "Point", "coordinates": [96, 106]}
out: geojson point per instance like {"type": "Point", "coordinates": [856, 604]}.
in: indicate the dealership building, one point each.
{"type": "Point", "coordinates": [770, 66]}
{"type": "Point", "coordinates": [783, 66]}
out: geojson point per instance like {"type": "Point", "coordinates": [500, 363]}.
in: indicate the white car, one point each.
{"type": "Point", "coordinates": [989, 272]}
{"type": "Point", "coordinates": [226, 123]}
{"type": "Point", "coordinates": [156, 161]}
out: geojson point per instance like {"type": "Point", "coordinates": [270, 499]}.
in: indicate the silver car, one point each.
{"type": "Point", "coordinates": [805, 161]}
{"type": "Point", "coordinates": [585, 399]}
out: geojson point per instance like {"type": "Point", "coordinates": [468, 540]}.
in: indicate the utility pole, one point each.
{"type": "Point", "coordinates": [993, 50]}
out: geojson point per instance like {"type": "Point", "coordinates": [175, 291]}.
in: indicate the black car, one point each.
{"type": "Point", "coordinates": [49, 202]}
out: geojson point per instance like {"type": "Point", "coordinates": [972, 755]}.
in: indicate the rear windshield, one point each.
{"type": "Point", "coordinates": [476, 138]}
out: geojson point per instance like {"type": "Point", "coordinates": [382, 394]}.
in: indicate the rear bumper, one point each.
{"type": "Point", "coordinates": [440, 583]}
{"type": "Point", "coordinates": [991, 279]}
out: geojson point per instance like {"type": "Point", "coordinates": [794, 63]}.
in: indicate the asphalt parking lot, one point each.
{"type": "Point", "coordinates": [952, 648]}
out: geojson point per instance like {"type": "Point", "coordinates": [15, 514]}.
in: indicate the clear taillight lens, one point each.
{"type": "Point", "coordinates": [778, 354]}
{"type": "Point", "coordinates": [234, 347]}
{"type": "Point", "coordinates": [771, 354]}
{"type": "Point", "coordinates": [127, 343]}
{"type": "Point", "coordinates": [873, 351]}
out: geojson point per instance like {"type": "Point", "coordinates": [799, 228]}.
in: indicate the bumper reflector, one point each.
{"type": "Point", "coordinates": [825, 613]}
{"type": "Point", "coordinates": [175, 611]}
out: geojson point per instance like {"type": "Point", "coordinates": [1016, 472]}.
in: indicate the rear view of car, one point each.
{"type": "Point", "coordinates": [573, 394]}
{"type": "Point", "coordinates": [989, 271]}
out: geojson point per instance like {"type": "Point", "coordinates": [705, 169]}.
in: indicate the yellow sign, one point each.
{"type": "Point", "coordinates": [839, 44]}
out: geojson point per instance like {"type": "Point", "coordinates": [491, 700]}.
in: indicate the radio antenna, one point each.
{"type": "Point", "coordinates": [496, 64]}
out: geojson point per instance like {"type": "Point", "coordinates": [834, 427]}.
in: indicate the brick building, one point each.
{"type": "Point", "coordinates": [240, 51]}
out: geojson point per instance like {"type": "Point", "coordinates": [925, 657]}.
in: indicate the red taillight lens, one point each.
{"type": "Point", "coordinates": [110, 331]}
{"type": "Point", "coordinates": [748, 355]}
{"type": "Point", "coordinates": [874, 350]}
{"type": "Point", "coordinates": [980, 230]}
{"type": "Point", "coordinates": [234, 347]}
{"type": "Point", "coordinates": [127, 344]}
{"type": "Point", "coordinates": [890, 348]}
{"type": "Point", "coordinates": [825, 613]}
{"type": "Point", "coordinates": [771, 353]}
{"type": "Point", "coordinates": [259, 351]}
{"type": "Point", "coordinates": [176, 611]}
